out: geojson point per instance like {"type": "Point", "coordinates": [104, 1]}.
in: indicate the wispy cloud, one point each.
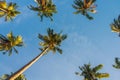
{"type": "Point", "coordinates": [5, 68]}
{"type": "Point", "coordinates": [25, 14]}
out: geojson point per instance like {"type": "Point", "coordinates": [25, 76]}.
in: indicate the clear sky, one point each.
{"type": "Point", "coordinates": [88, 41]}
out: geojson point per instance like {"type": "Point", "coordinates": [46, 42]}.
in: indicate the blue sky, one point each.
{"type": "Point", "coordinates": [88, 41]}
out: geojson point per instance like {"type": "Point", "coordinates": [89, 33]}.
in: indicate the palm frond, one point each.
{"type": "Point", "coordinates": [3, 38]}
{"type": "Point", "coordinates": [59, 50]}
{"type": "Point", "coordinates": [34, 8]}
{"type": "Point", "coordinates": [2, 14]}
{"type": "Point", "coordinates": [89, 17]}
{"type": "Point", "coordinates": [97, 68]}
{"type": "Point", "coordinates": [117, 63]}
{"type": "Point", "coordinates": [115, 26]}
{"type": "Point", "coordinates": [102, 75]}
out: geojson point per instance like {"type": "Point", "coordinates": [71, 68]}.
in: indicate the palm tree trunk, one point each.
{"type": "Point", "coordinates": [43, 2]}
{"type": "Point", "coordinates": [84, 2]}
{"type": "Point", "coordinates": [87, 4]}
{"type": "Point", "coordinates": [3, 10]}
{"type": "Point", "coordinates": [24, 68]}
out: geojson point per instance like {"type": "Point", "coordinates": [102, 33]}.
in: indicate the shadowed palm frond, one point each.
{"type": "Point", "coordinates": [44, 9]}
{"type": "Point", "coordinates": [52, 40]}
{"type": "Point", "coordinates": [117, 63]}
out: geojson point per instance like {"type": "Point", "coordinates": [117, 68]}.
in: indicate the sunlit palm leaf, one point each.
{"type": "Point", "coordinates": [2, 14]}
{"type": "Point", "coordinates": [103, 75]}
{"type": "Point", "coordinates": [21, 77]}
{"type": "Point", "coordinates": [96, 68]}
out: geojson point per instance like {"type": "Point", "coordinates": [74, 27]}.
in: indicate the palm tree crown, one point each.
{"type": "Point", "coordinates": [45, 8]}
{"type": "Point", "coordinates": [84, 7]}
{"type": "Point", "coordinates": [117, 63]}
{"type": "Point", "coordinates": [115, 26]}
{"type": "Point", "coordinates": [8, 10]}
{"type": "Point", "coordinates": [91, 73]}
{"type": "Point", "coordinates": [52, 40]}
{"type": "Point", "coordinates": [8, 43]}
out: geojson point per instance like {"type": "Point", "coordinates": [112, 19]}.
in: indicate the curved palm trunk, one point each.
{"type": "Point", "coordinates": [24, 68]}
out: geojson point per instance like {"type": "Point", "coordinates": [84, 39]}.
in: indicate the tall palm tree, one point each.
{"type": "Point", "coordinates": [115, 26]}
{"type": "Point", "coordinates": [117, 63]}
{"type": "Point", "coordinates": [5, 76]}
{"type": "Point", "coordinates": [91, 73]}
{"type": "Point", "coordinates": [8, 10]}
{"type": "Point", "coordinates": [8, 44]}
{"type": "Point", "coordinates": [85, 6]}
{"type": "Point", "coordinates": [45, 8]}
{"type": "Point", "coordinates": [50, 42]}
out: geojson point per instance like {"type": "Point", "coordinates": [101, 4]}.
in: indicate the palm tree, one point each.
{"type": "Point", "coordinates": [5, 76]}
{"type": "Point", "coordinates": [8, 10]}
{"type": "Point", "coordinates": [84, 7]}
{"type": "Point", "coordinates": [8, 44]}
{"type": "Point", "coordinates": [115, 26]}
{"type": "Point", "coordinates": [45, 8]}
{"type": "Point", "coordinates": [117, 63]}
{"type": "Point", "coordinates": [91, 73]}
{"type": "Point", "coordinates": [50, 42]}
